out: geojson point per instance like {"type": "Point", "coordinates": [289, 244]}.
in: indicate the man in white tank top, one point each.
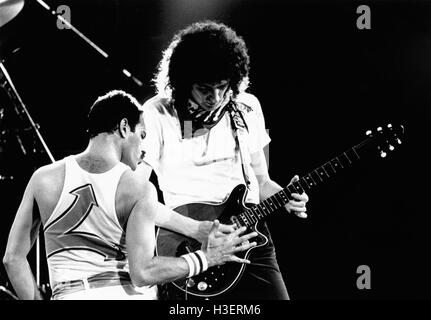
{"type": "Point", "coordinates": [99, 216]}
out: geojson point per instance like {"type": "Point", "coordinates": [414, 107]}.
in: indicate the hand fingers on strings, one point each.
{"type": "Point", "coordinates": [300, 197]}
{"type": "Point", "coordinates": [226, 229]}
{"type": "Point", "coordinates": [215, 228]}
{"type": "Point", "coordinates": [244, 238]}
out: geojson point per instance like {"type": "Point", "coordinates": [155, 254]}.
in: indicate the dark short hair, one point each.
{"type": "Point", "coordinates": [205, 51]}
{"type": "Point", "coordinates": [108, 110]}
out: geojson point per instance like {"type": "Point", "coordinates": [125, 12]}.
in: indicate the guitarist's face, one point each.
{"type": "Point", "coordinates": [209, 95]}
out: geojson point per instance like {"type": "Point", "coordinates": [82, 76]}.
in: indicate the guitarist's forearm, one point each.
{"type": "Point", "coordinates": [297, 202]}
{"type": "Point", "coordinates": [169, 219]}
{"type": "Point", "coordinates": [268, 188]}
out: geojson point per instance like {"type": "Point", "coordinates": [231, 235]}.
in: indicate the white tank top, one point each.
{"type": "Point", "coordinates": [83, 236]}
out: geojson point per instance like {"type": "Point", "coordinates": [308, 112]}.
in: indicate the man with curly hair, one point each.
{"type": "Point", "coordinates": [193, 122]}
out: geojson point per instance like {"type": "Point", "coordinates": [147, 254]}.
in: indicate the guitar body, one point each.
{"type": "Point", "coordinates": [216, 280]}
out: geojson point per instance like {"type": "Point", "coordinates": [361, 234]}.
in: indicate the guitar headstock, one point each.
{"type": "Point", "coordinates": [386, 138]}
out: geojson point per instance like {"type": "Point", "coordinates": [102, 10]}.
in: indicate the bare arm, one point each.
{"type": "Point", "coordinates": [189, 227]}
{"type": "Point", "coordinates": [147, 269]}
{"type": "Point", "coordinates": [268, 187]}
{"type": "Point", "coordinates": [144, 170]}
{"type": "Point", "coordinates": [22, 236]}
{"type": "Point", "coordinates": [169, 219]}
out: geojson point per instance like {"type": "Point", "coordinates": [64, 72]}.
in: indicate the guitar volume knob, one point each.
{"type": "Point", "coordinates": [190, 283]}
{"type": "Point", "coordinates": [202, 286]}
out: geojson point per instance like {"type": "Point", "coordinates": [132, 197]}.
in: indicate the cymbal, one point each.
{"type": "Point", "coordinates": [9, 9]}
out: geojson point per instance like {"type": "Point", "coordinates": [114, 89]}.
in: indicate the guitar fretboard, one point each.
{"type": "Point", "coordinates": [260, 211]}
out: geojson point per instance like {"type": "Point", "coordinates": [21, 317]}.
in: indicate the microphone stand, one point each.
{"type": "Point", "coordinates": [125, 72]}
{"type": "Point", "coordinates": [21, 111]}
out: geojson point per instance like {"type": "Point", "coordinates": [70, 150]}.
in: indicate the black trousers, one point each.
{"type": "Point", "coordinates": [262, 279]}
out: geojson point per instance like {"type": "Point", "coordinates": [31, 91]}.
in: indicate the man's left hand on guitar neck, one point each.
{"type": "Point", "coordinates": [268, 187]}
{"type": "Point", "coordinates": [297, 206]}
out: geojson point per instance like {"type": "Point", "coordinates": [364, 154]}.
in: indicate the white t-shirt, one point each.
{"type": "Point", "coordinates": [203, 168]}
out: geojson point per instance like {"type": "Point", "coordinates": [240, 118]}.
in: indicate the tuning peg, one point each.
{"type": "Point", "coordinates": [391, 147]}
{"type": "Point", "coordinates": [389, 125]}
{"type": "Point", "coordinates": [379, 129]}
{"type": "Point", "coordinates": [368, 133]}
{"type": "Point", "coordinates": [398, 141]}
{"type": "Point", "coordinates": [383, 153]}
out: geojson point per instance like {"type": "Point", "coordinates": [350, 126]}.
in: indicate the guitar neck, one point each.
{"type": "Point", "coordinates": [307, 182]}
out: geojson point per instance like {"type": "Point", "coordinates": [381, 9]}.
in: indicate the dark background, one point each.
{"type": "Point", "coordinates": [322, 83]}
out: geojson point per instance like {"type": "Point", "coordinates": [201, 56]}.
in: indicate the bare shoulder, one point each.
{"type": "Point", "coordinates": [135, 186]}
{"type": "Point", "coordinates": [132, 192]}
{"type": "Point", "coordinates": [51, 175]}
{"type": "Point", "coordinates": [46, 185]}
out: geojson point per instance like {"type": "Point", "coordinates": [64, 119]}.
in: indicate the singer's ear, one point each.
{"type": "Point", "coordinates": [123, 127]}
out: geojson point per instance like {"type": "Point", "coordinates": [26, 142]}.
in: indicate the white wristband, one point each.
{"type": "Point", "coordinates": [191, 265]}
{"type": "Point", "coordinates": [197, 262]}
{"type": "Point", "coordinates": [198, 265]}
{"type": "Point", "coordinates": [204, 260]}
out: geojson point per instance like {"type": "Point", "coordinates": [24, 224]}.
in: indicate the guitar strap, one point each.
{"type": "Point", "coordinates": [238, 121]}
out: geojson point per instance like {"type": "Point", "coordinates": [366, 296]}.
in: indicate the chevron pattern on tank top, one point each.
{"type": "Point", "coordinates": [66, 237]}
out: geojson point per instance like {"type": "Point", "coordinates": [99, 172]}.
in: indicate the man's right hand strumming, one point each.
{"type": "Point", "coordinates": [221, 249]}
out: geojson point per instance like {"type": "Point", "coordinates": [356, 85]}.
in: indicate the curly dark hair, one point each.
{"type": "Point", "coordinates": [203, 52]}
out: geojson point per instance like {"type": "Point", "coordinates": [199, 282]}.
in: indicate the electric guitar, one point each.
{"type": "Point", "coordinates": [218, 279]}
